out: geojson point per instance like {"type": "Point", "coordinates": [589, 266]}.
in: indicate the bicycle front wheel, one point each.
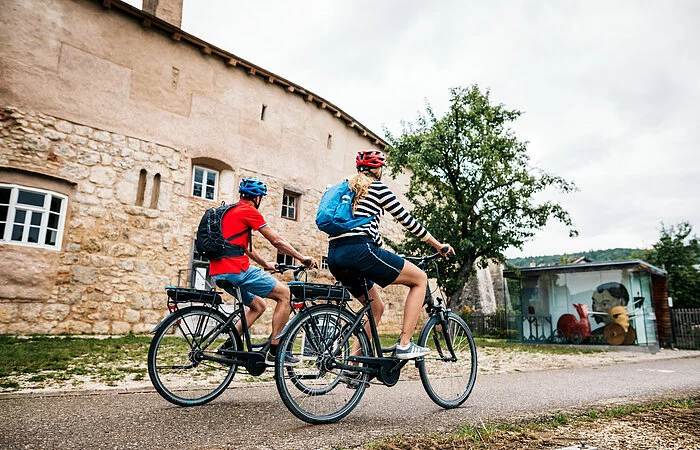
{"type": "Point", "coordinates": [448, 376]}
{"type": "Point", "coordinates": [177, 357]}
{"type": "Point", "coordinates": [313, 390]}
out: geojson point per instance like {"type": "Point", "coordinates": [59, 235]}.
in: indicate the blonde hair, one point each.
{"type": "Point", "coordinates": [359, 184]}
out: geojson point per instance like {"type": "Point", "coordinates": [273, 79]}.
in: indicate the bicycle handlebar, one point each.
{"type": "Point", "coordinates": [281, 268]}
{"type": "Point", "coordinates": [419, 260]}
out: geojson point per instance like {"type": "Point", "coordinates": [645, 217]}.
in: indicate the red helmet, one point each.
{"type": "Point", "coordinates": [370, 159]}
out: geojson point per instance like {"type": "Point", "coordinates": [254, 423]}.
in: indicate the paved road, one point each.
{"type": "Point", "coordinates": [254, 416]}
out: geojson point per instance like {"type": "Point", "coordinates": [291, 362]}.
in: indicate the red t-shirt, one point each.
{"type": "Point", "coordinates": [240, 218]}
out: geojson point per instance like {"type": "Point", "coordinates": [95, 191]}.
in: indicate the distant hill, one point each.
{"type": "Point", "coordinates": [612, 254]}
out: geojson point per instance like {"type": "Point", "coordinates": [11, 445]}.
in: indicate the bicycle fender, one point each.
{"type": "Point", "coordinates": [296, 318]}
{"type": "Point", "coordinates": [160, 324]}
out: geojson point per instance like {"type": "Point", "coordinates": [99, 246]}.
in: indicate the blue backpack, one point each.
{"type": "Point", "coordinates": [334, 216]}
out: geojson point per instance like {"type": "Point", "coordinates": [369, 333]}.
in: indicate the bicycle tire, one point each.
{"type": "Point", "coordinates": [448, 383]}
{"type": "Point", "coordinates": [321, 397]}
{"type": "Point", "coordinates": [313, 342]}
{"type": "Point", "coordinates": [172, 357]}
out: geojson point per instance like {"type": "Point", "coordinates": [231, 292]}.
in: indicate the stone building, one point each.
{"type": "Point", "coordinates": [117, 130]}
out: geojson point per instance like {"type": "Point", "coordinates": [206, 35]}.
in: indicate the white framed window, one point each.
{"type": "Point", "coordinates": [31, 217]}
{"type": "Point", "coordinates": [284, 259]}
{"type": "Point", "coordinates": [290, 205]}
{"type": "Point", "coordinates": [324, 262]}
{"type": "Point", "coordinates": [205, 182]}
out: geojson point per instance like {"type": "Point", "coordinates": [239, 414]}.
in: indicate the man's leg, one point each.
{"type": "Point", "coordinates": [280, 317]}
{"type": "Point", "coordinates": [254, 311]}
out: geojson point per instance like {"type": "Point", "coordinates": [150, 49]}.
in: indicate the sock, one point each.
{"type": "Point", "coordinates": [273, 349]}
{"type": "Point", "coordinates": [403, 347]}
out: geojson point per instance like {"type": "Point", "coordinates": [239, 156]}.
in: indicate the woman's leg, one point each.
{"type": "Point", "coordinates": [417, 281]}
{"type": "Point", "coordinates": [377, 311]}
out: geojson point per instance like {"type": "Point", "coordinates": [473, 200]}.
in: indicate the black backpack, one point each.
{"type": "Point", "coordinates": [210, 242]}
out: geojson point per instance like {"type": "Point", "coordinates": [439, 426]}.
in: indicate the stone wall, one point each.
{"type": "Point", "coordinates": [116, 258]}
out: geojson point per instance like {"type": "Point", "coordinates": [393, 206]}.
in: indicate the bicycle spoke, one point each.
{"type": "Point", "coordinates": [448, 377]}
{"type": "Point", "coordinates": [313, 390]}
{"type": "Point", "coordinates": [175, 362]}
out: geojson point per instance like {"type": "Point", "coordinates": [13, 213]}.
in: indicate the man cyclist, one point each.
{"type": "Point", "coordinates": [357, 254]}
{"type": "Point", "coordinates": [254, 283]}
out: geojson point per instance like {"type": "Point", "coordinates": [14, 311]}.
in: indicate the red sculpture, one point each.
{"type": "Point", "coordinates": [573, 329]}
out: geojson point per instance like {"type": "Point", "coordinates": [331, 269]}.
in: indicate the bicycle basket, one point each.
{"type": "Point", "coordinates": [187, 295]}
{"type": "Point", "coordinates": [311, 291]}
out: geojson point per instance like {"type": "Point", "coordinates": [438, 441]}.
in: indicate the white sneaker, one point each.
{"type": "Point", "coordinates": [411, 352]}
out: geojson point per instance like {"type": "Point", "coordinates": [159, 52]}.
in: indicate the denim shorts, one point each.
{"type": "Point", "coordinates": [352, 264]}
{"type": "Point", "coordinates": [251, 282]}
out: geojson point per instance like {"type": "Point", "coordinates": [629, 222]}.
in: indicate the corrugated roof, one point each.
{"type": "Point", "coordinates": [234, 61]}
{"type": "Point", "coordinates": [587, 267]}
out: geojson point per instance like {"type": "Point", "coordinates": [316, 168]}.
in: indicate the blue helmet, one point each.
{"type": "Point", "coordinates": [253, 187]}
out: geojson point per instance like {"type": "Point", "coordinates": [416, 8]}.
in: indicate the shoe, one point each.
{"type": "Point", "coordinates": [411, 352]}
{"type": "Point", "coordinates": [353, 380]}
{"type": "Point", "coordinates": [228, 345]}
{"type": "Point", "coordinates": [289, 359]}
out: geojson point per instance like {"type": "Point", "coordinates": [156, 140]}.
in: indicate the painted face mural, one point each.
{"type": "Point", "coordinates": [607, 296]}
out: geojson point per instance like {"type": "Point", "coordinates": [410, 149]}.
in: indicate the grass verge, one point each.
{"type": "Point", "coordinates": [547, 433]}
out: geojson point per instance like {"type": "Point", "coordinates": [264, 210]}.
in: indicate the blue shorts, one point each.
{"type": "Point", "coordinates": [251, 282]}
{"type": "Point", "coordinates": [353, 263]}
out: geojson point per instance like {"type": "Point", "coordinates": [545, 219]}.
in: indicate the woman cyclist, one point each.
{"type": "Point", "coordinates": [357, 254]}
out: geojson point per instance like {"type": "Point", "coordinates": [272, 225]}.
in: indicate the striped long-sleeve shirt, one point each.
{"type": "Point", "coordinates": [379, 198]}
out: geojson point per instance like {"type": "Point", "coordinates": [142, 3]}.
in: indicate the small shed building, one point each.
{"type": "Point", "coordinates": [607, 303]}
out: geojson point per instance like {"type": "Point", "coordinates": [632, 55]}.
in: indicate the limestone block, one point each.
{"type": "Point", "coordinates": [141, 301]}
{"type": "Point", "coordinates": [74, 171]}
{"type": "Point", "coordinates": [92, 244]}
{"type": "Point", "coordinates": [101, 136]}
{"type": "Point", "coordinates": [86, 187]}
{"type": "Point", "coordinates": [143, 328]}
{"type": "Point", "coordinates": [120, 327]}
{"type": "Point", "coordinates": [55, 312]}
{"type": "Point", "coordinates": [124, 163]}
{"type": "Point", "coordinates": [54, 135]}
{"type": "Point", "coordinates": [101, 261]}
{"type": "Point", "coordinates": [104, 176]}
{"type": "Point", "coordinates": [77, 140]}
{"type": "Point", "coordinates": [87, 199]}
{"type": "Point", "coordinates": [105, 193]}
{"type": "Point", "coordinates": [88, 157]}
{"type": "Point", "coordinates": [9, 312]}
{"type": "Point", "coordinates": [30, 312]}
{"type": "Point", "coordinates": [123, 249]}
{"type": "Point", "coordinates": [151, 317]}
{"type": "Point", "coordinates": [126, 264]}
{"type": "Point", "coordinates": [82, 130]}
{"type": "Point", "coordinates": [63, 126]}
{"type": "Point", "coordinates": [132, 316]}
{"type": "Point", "coordinates": [101, 327]}
{"type": "Point", "coordinates": [106, 159]}
{"type": "Point", "coordinates": [73, 327]}
{"type": "Point", "coordinates": [70, 259]}
{"type": "Point", "coordinates": [18, 327]}
{"type": "Point", "coordinates": [134, 144]}
{"type": "Point", "coordinates": [34, 143]}
{"type": "Point", "coordinates": [83, 275]}
{"type": "Point", "coordinates": [43, 327]}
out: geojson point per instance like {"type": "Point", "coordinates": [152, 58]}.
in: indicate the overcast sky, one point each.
{"type": "Point", "coordinates": [610, 90]}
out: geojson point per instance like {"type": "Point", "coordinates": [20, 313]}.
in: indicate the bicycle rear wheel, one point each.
{"type": "Point", "coordinates": [176, 363]}
{"type": "Point", "coordinates": [312, 390]}
{"type": "Point", "coordinates": [448, 380]}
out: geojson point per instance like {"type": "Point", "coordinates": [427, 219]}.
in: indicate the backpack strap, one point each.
{"type": "Point", "coordinates": [249, 231]}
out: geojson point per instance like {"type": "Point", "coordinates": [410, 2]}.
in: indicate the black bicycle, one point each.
{"type": "Point", "coordinates": [333, 375]}
{"type": "Point", "coordinates": [196, 350]}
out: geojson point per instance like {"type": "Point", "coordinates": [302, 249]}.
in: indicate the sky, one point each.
{"type": "Point", "coordinates": [609, 90]}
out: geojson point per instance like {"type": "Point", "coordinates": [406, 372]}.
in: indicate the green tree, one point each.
{"type": "Point", "coordinates": [472, 184]}
{"type": "Point", "coordinates": [679, 253]}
